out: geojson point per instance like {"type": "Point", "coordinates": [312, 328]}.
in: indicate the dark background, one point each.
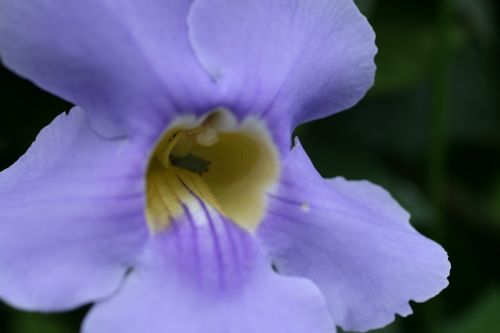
{"type": "Point", "coordinates": [429, 131]}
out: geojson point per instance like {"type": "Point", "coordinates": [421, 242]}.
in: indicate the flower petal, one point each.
{"type": "Point", "coordinates": [129, 63]}
{"type": "Point", "coordinates": [299, 59]}
{"type": "Point", "coordinates": [206, 275]}
{"type": "Point", "coordinates": [354, 241]}
{"type": "Point", "coordinates": [71, 218]}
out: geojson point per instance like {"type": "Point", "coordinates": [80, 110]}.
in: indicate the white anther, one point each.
{"type": "Point", "coordinates": [208, 137]}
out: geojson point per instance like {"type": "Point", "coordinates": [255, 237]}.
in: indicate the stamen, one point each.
{"type": "Point", "coordinates": [163, 152]}
{"type": "Point", "coordinates": [183, 146]}
{"type": "Point", "coordinates": [208, 137]}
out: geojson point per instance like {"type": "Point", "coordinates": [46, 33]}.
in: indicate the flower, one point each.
{"type": "Point", "coordinates": [170, 196]}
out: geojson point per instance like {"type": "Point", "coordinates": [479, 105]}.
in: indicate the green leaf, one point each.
{"type": "Point", "coordinates": [365, 6]}
{"type": "Point", "coordinates": [495, 204]}
{"type": "Point", "coordinates": [482, 317]}
{"type": "Point", "coordinates": [37, 323]}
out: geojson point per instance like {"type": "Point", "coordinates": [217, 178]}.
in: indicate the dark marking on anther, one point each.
{"type": "Point", "coordinates": [190, 163]}
{"type": "Point", "coordinates": [173, 136]}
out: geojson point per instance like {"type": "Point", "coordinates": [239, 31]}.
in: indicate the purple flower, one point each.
{"type": "Point", "coordinates": [170, 196]}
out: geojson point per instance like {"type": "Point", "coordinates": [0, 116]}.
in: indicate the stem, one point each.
{"type": "Point", "coordinates": [440, 103]}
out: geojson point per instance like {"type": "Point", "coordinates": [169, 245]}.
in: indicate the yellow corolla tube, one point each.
{"type": "Point", "coordinates": [227, 165]}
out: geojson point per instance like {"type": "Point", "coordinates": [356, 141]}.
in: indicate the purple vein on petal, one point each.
{"type": "Point", "coordinates": [194, 238]}
{"type": "Point", "coordinates": [219, 257]}
{"type": "Point", "coordinates": [233, 249]}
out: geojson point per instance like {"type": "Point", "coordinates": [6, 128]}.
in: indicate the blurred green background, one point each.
{"type": "Point", "coordinates": [429, 131]}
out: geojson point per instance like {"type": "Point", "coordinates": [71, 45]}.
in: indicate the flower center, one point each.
{"type": "Point", "coordinates": [228, 166]}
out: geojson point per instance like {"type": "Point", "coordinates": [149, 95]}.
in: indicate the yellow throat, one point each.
{"type": "Point", "coordinates": [228, 166]}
